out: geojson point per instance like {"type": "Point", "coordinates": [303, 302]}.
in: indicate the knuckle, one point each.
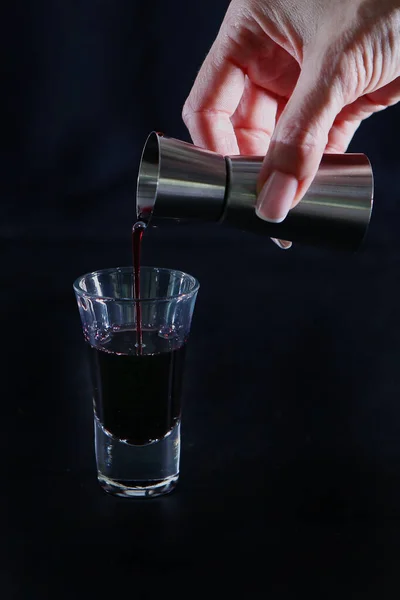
{"type": "Point", "coordinates": [188, 112]}
{"type": "Point", "coordinates": [343, 71]}
{"type": "Point", "coordinates": [303, 140]}
{"type": "Point", "coordinates": [298, 150]}
{"type": "Point", "coordinates": [185, 113]}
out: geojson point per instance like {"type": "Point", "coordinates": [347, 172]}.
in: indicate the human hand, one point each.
{"type": "Point", "coordinates": [293, 79]}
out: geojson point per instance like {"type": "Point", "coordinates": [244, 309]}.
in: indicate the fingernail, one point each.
{"type": "Point", "coordinates": [276, 197]}
{"type": "Point", "coordinates": [284, 244]}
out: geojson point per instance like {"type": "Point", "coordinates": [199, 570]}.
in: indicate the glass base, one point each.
{"type": "Point", "coordinates": [137, 471]}
{"type": "Point", "coordinates": [138, 489]}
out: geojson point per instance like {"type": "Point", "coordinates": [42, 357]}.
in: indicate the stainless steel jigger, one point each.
{"type": "Point", "coordinates": [180, 181]}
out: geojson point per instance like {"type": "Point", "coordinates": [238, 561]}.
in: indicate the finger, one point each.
{"type": "Point", "coordinates": [351, 116]}
{"type": "Point", "coordinates": [297, 145]}
{"type": "Point", "coordinates": [388, 95]}
{"type": "Point", "coordinates": [283, 244]}
{"type": "Point", "coordinates": [340, 136]}
{"type": "Point", "coordinates": [254, 119]}
{"type": "Point", "coordinates": [213, 100]}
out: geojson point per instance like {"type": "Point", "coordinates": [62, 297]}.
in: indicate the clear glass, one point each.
{"type": "Point", "coordinates": [136, 355]}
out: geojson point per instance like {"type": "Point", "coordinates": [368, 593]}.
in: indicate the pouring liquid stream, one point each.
{"type": "Point", "coordinates": [137, 234]}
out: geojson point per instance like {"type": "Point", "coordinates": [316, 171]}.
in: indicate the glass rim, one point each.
{"type": "Point", "coordinates": [195, 285]}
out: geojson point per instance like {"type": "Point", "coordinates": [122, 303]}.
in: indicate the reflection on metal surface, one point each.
{"type": "Point", "coordinates": [180, 181]}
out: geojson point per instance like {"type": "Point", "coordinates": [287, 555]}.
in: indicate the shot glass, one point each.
{"type": "Point", "coordinates": [136, 354]}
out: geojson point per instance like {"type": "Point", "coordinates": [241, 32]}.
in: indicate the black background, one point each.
{"type": "Point", "coordinates": [290, 479]}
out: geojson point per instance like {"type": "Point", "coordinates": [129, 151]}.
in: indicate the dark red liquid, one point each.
{"type": "Point", "coordinates": [137, 398]}
{"type": "Point", "coordinates": [137, 234]}
{"type": "Point", "coordinates": [136, 373]}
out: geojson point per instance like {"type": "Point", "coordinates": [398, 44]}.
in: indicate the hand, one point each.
{"type": "Point", "coordinates": [292, 79]}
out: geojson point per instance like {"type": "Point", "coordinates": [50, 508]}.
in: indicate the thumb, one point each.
{"type": "Point", "coordinates": [297, 145]}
